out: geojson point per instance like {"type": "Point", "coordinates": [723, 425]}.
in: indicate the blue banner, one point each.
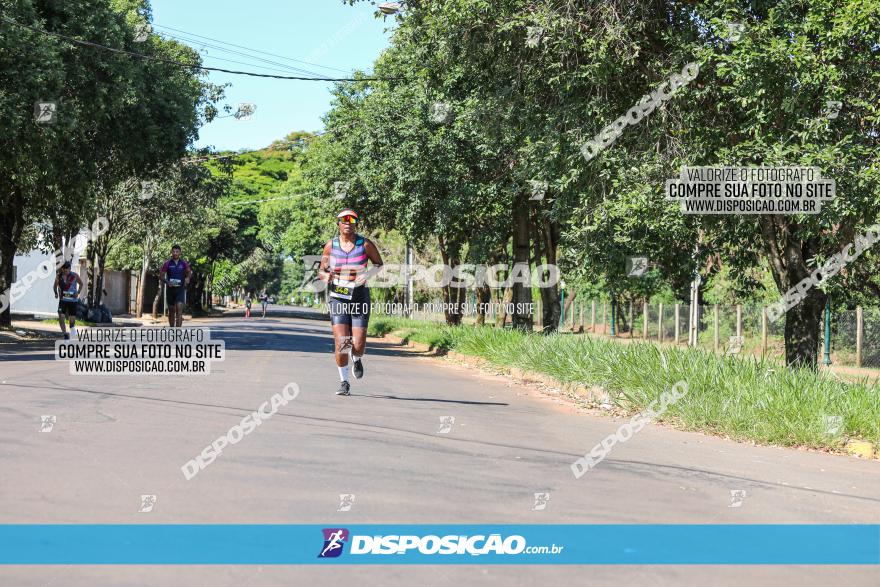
{"type": "Point", "coordinates": [290, 544]}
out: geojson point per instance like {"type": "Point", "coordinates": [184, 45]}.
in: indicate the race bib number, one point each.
{"type": "Point", "coordinates": [69, 296]}
{"type": "Point", "coordinates": [341, 292]}
{"type": "Point", "coordinates": [173, 283]}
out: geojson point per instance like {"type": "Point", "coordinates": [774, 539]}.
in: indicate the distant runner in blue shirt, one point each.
{"type": "Point", "coordinates": [175, 275]}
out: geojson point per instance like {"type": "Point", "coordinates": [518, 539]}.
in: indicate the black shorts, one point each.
{"type": "Point", "coordinates": [175, 295]}
{"type": "Point", "coordinates": [67, 308]}
{"type": "Point", "coordinates": [354, 312]}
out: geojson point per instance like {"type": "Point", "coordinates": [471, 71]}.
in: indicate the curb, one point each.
{"type": "Point", "coordinates": [594, 395]}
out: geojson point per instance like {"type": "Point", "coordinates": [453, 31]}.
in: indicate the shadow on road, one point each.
{"type": "Point", "coordinates": [27, 350]}
{"type": "Point", "coordinates": [430, 399]}
{"type": "Point", "coordinates": [261, 335]}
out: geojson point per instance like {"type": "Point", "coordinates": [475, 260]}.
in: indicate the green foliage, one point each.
{"type": "Point", "coordinates": [747, 400]}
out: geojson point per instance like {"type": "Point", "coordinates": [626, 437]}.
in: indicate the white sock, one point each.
{"type": "Point", "coordinates": [343, 373]}
{"type": "Point", "coordinates": [73, 332]}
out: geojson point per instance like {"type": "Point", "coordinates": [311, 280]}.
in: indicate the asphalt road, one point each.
{"type": "Point", "coordinates": [119, 437]}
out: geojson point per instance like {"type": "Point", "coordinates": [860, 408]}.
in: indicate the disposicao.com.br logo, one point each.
{"type": "Point", "coordinates": [480, 544]}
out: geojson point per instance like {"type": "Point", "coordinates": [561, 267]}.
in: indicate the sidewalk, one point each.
{"type": "Point", "coordinates": [36, 327]}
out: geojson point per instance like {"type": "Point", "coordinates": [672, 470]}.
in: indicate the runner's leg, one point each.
{"type": "Point", "coordinates": [342, 339]}
{"type": "Point", "coordinates": [61, 318]}
{"type": "Point", "coordinates": [342, 334]}
{"type": "Point", "coordinates": [359, 322]}
{"type": "Point", "coordinates": [179, 313]}
{"type": "Point", "coordinates": [340, 320]}
{"type": "Point", "coordinates": [358, 347]}
{"type": "Point", "coordinates": [359, 342]}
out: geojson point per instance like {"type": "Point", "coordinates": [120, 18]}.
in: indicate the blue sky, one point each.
{"type": "Point", "coordinates": [324, 32]}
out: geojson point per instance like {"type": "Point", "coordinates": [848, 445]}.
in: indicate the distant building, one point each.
{"type": "Point", "coordinates": [39, 299]}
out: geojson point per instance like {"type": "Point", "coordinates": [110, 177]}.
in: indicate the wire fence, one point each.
{"type": "Point", "coordinates": [854, 338]}
{"type": "Point", "coordinates": [736, 330]}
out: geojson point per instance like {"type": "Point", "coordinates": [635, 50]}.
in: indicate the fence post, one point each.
{"type": "Point", "coordinates": [573, 302]}
{"type": "Point", "coordinates": [827, 359]}
{"type": "Point", "coordinates": [582, 316]}
{"type": "Point", "coordinates": [690, 325]}
{"type": "Point", "coordinates": [645, 321]}
{"type": "Point", "coordinates": [763, 331]}
{"type": "Point", "coordinates": [739, 320]}
{"type": "Point", "coordinates": [677, 322]}
{"type": "Point", "coordinates": [630, 319]}
{"type": "Point", "coordinates": [859, 332]}
{"type": "Point", "coordinates": [604, 318]}
{"type": "Point", "coordinates": [593, 318]}
{"type": "Point", "coordinates": [717, 340]}
{"type": "Point", "coordinates": [613, 316]}
{"type": "Point", "coordinates": [660, 322]}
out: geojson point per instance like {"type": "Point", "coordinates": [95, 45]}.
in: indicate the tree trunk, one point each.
{"type": "Point", "coordinates": [452, 296]}
{"type": "Point", "coordinates": [522, 294]}
{"type": "Point", "coordinates": [484, 298]}
{"type": "Point", "coordinates": [11, 227]}
{"type": "Point", "coordinates": [7, 258]}
{"type": "Point", "coordinates": [209, 285]}
{"type": "Point", "coordinates": [802, 330]}
{"type": "Point", "coordinates": [99, 282]}
{"type": "Point", "coordinates": [787, 255]}
{"type": "Point", "coordinates": [142, 282]}
{"type": "Point", "coordinates": [197, 289]}
{"type": "Point", "coordinates": [156, 299]}
{"type": "Point", "coordinates": [551, 310]}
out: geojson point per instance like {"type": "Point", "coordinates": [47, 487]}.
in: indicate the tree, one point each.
{"type": "Point", "coordinates": [106, 103]}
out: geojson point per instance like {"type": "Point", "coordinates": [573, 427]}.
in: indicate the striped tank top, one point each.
{"type": "Point", "coordinates": [346, 266]}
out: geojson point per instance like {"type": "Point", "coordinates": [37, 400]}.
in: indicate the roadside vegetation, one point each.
{"type": "Point", "coordinates": [743, 399]}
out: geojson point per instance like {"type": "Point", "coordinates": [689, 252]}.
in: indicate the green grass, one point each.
{"type": "Point", "coordinates": [745, 399]}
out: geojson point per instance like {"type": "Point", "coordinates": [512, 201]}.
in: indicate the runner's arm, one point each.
{"type": "Point", "coordinates": [79, 284]}
{"type": "Point", "coordinates": [324, 269]}
{"type": "Point", "coordinates": [56, 285]}
{"type": "Point", "coordinates": [375, 258]}
{"type": "Point", "coordinates": [373, 253]}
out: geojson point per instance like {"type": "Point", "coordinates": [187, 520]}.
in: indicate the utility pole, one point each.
{"type": "Point", "coordinates": [694, 331]}
{"type": "Point", "coordinates": [409, 285]}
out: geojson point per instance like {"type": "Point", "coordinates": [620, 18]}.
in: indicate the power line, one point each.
{"type": "Point", "coordinates": [281, 66]}
{"type": "Point", "coordinates": [184, 64]}
{"type": "Point", "coordinates": [252, 50]}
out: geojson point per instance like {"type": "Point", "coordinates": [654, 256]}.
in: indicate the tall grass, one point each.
{"type": "Point", "coordinates": [744, 399]}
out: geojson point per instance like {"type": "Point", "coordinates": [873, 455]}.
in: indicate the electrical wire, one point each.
{"type": "Point", "coordinates": [281, 66]}
{"type": "Point", "coordinates": [250, 49]}
{"type": "Point", "coordinates": [79, 42]}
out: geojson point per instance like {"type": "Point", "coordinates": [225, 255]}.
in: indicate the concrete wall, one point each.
{"type": "Point", "coordinates": [117, 284]}
{"type": "Point", "coordinates": [38, 298]}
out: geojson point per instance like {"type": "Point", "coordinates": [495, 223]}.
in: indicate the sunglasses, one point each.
{"type": "Point", "coordinates": [348, 219]}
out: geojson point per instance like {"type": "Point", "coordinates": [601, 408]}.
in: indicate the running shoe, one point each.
{"type": "Point", "coordinates": [358, 368]}
{"type": "Point", "coordinates": [343, 389]}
